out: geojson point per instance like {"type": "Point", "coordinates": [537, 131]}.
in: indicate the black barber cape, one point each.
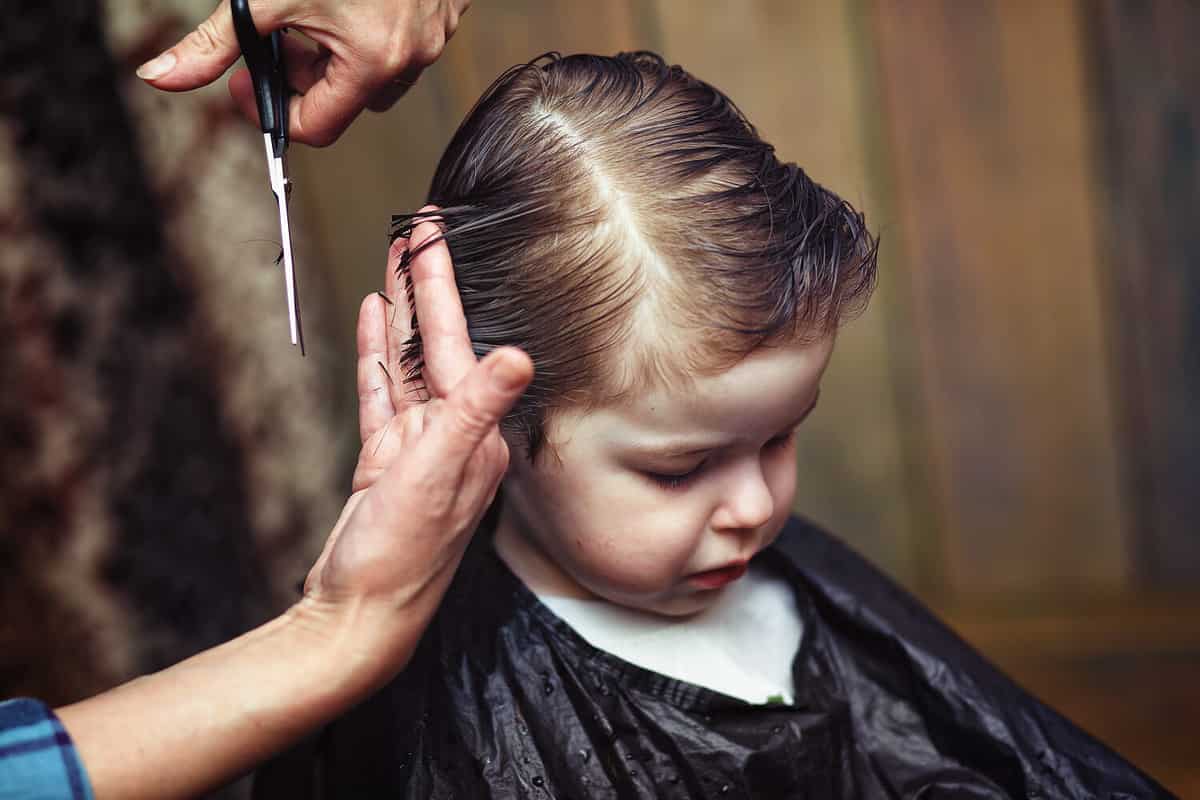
{"type": "Point", "coordinates": [504, 700]}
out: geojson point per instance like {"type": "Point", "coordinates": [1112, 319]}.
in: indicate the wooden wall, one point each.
{"type": "Point", "coordinates": [1010, 428]}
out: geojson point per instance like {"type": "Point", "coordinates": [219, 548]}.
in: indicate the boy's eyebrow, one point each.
{"type": "Point", "coordinates": [676, 452]}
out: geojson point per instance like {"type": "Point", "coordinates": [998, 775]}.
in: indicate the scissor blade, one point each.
{"type": "Point", "coordinates": [289, 276]}
{"type": "Point", "coordinates": [279, 187]}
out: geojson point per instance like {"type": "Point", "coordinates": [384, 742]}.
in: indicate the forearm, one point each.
{"type": "Point", "coordinates": [206, 720]}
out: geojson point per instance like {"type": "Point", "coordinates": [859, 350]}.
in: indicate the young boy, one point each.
{"type": "Point", "coordinates": [640, 616]}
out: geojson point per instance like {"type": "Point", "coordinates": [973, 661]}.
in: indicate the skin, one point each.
{"type": "Point", "coordinates": [354, 54]}
{"type": "Point", "coordinates": [427, 471]}
{"type": "Point", "coordinates": [594, 523]}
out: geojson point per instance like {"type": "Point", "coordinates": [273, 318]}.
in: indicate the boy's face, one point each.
{"type": "Point", "coordinates": [613, 521]}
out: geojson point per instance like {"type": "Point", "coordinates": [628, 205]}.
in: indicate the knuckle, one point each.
{"type": "Point", "coordinates": [392, 55]}
{"type": "Point", "coordinates": [431, 46]}
{"type": "Point", "coordinates": [470, 418]}
{"type": "Point", "coordinates": [205, 38]}
{"type": "Point", "coordinates": [454, 14]}
{"type": "Point", "coordinates": [403, 53]}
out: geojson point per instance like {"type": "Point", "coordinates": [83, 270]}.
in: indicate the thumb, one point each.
{"type": "Point", "coordinates": [204, 54]}
{"type": "Point", "coordinates": [473, 408]}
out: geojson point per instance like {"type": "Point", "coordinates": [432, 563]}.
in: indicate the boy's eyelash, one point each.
{"type": "Point", "coordinates": [676, 481]}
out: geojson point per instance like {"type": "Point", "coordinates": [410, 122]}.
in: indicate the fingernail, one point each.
{"type": "Point", "coordinates": [155, 68]}
{"type": "Point", "coordinates": [507, 376]}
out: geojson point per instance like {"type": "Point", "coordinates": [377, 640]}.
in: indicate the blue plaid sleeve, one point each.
{"type": "Point", "coordinates": [37, 759]}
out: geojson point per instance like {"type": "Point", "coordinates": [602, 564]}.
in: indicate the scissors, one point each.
{"type": "Point", "coordinates": [264, 57]}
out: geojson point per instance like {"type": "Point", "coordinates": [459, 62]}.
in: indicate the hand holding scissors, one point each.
{"type": "Point", "coordinates": [353, 54]}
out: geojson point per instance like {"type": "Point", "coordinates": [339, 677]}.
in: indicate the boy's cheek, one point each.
{"type": "Point", "coordinates": [782, 480]}
{"type": "Point", "coordinates": [621, 571]}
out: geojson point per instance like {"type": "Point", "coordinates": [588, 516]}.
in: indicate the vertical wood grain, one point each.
{"type": "Point", "coordinates": [1148, 74]}
{"type": "Point", "coordinates": [503, 34]}
{"type": "Point", "coordinates": [989, 147]}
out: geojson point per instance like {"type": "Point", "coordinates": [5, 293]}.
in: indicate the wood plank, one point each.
{"type": "Point", "coordinates": [990, 149]}
{"type": "Point", "coordinates": [503, 34]}
{"type": "Point", "coordinates": [1148, 69]}
{"type": "Point", "coordinates": [794, 69]}
{"type": "Point", "coordinates": [1082, 625]}
{"type": "Point", "coordinates": [1119, 668]}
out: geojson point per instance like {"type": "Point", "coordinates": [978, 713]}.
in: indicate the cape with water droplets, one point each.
{"type": "Point", "coordinates": [504, 700]}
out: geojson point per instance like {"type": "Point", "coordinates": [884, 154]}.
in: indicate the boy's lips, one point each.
{"type": "Point", "coordinates": [716, 578]}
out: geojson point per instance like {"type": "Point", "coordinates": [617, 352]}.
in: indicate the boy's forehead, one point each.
{"type": "Point", "coordinates": [767, 384]}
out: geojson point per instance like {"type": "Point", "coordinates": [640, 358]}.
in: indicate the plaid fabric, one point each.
{"type": "Point", "coordinates": [37, 759]}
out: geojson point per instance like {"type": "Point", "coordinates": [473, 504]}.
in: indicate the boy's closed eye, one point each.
{"type": "Point", "coordinates": [674, 479]}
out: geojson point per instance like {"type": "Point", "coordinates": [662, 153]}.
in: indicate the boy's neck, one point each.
{"type": "Point", "coordinates": [519, 550]}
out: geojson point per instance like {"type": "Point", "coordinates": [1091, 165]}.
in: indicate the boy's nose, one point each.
{"type": "Point", "coordinates": [748, 503]}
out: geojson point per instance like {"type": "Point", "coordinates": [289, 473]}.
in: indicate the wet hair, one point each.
{"type": "Point", "coordinates": [623, 223]}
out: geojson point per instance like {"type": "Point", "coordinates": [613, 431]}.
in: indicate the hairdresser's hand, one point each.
{"type": "Point", "coordinates": [427, 472]}
{"type": "Point", "coordinates": [428, 469]}
{"type": "Point", "coordinates": [362, 54]}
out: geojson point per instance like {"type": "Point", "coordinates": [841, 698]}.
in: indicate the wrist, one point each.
{"type": "Point", "coordinates": [367, 638]}
{"type": "Point", "coordinates": [218, 713]}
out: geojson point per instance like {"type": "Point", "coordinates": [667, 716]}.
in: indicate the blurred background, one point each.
{"type": "Point", "coordinates": [1009, 430]}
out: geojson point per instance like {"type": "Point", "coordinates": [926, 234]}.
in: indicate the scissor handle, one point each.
{"type": "Point", "coordinates": [264, 57]}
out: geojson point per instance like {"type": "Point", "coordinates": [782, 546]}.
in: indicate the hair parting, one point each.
{"type": "Point", "coordinates": [623, 223]}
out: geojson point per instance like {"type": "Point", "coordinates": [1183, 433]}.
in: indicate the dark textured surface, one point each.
{"type": "Point", "coordinates": [505, 700]}
{"type": "Point", "coordinates": [108, 304]}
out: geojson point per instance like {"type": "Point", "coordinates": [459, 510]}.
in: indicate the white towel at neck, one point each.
{"type": "Point", "coordinates": [742, 645]}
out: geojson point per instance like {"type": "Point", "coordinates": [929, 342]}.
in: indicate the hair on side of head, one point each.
{"type": "Point", "coordinates": [623, 223]}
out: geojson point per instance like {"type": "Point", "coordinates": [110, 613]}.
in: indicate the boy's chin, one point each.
{"type": "Point", "coordinates": [680, 606]}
